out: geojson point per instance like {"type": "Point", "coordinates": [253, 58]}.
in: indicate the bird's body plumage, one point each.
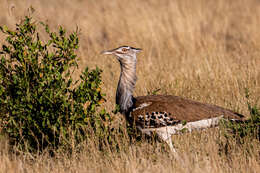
{"type": "Point", "coordinates": [163, 114]}
{"type": "Point", "coordinates": [167, 110]}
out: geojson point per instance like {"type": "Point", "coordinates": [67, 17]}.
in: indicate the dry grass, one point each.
{"type": "Point", "coordinates": [204, 50]}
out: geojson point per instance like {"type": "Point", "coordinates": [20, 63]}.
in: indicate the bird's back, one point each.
{"type": "Point", "coordinates": [166, 110]}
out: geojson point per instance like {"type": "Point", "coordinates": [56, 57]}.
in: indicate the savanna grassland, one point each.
{"type": "Point", "coordinates": [207, 51]}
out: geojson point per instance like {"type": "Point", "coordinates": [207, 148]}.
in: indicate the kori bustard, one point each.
{"type": "Point", "coordinates": [163, 114]}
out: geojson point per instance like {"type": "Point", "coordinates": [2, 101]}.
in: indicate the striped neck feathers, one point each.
{"type": "Point", "coordinates": [126, 85]}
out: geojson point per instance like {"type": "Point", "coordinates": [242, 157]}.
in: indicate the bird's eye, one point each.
{"type": "Point", "coordinates": [124, 50]}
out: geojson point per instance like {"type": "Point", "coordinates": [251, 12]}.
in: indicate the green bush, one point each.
{"type": "Point", "coordinates": [40, 104]}
{"type": "Point", "coordinates": [249, 128]}
{"type": "Point", "coordinates": [237, 134]}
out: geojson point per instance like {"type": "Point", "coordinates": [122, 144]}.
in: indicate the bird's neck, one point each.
{"type": "Point", "coordinates": [126, 85]}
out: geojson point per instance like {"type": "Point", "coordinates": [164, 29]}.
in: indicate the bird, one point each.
{"type": "Point", "coordinates": [164, 115]}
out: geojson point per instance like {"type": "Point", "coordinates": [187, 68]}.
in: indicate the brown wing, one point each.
{"type": "Point", "coordinates": [177, 109]}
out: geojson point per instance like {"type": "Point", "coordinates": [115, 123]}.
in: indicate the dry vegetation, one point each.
{"type": "Point", "coordinates": [204, 50]}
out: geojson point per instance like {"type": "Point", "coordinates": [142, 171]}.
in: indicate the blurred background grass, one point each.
{"type": "Point", "coordinates": [208, 51]}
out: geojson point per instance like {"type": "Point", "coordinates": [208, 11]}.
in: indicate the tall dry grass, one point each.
{"type": "Point", "coordinates": [204, 50]}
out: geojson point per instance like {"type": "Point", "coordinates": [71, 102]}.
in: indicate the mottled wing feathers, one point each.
{"type": "Point", "coordinates": [155, 119]}
{"type": "Point", "coordinates": [166, 110]}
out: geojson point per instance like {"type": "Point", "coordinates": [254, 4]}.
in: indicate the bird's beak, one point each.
{"type": "Point", "coordinates": [106, 52]}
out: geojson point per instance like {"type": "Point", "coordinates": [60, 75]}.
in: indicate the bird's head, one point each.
{"type": "Point", "coordinates": [123, 53]}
